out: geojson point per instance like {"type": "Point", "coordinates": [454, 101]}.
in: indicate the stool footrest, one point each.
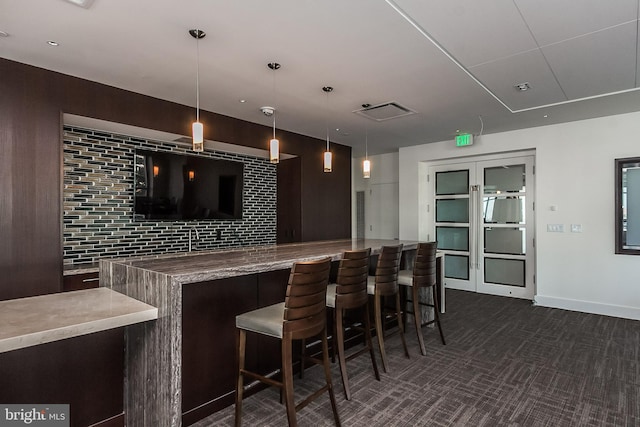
{"type": "Point", "coordinates": [261, 378]}
{"type": "Point", "coordinates": [355, 354]}
{"type": "Point", "coordinates": [311, 397]}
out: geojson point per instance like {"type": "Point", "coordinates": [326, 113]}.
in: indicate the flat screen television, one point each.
{"type": "Point", "coordinates": [175, 187]}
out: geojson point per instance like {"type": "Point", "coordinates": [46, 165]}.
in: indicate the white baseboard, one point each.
{"type": "Point", "coordinates": [624, 312]}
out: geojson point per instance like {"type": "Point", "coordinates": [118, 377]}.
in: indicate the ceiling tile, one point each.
{"type": "Point", "coordinates": [473, 32]}
{"type": "Point", "coordinates": [552, 21]}
{"type": "Point", "coordinates": [501, 76]}
{"type": "Point", "coordinates": [597, 63]}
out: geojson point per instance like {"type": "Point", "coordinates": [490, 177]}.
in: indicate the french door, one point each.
{"type": "Point", "coordinates": [484, 223]}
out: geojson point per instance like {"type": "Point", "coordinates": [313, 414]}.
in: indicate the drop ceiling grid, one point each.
{"type": "Point", "coordinates": [588, 47]}
{"type": "Point", "coordinates": [597, 63]}
{"type": "Point", "coordinates": [553, 21]}
{"type": "Point", "coordinates": [473, 31]}
{"type": "Point", "coordinates": [501, 76]}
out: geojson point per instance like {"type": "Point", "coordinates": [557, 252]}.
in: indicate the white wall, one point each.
{"type": "Point", "coordinates": [381, 196]}
{"type": "Point", "coordinates": [575, 172]}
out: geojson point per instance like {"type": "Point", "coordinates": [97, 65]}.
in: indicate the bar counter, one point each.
{"type": "Point", "coordinates": [180, 368]}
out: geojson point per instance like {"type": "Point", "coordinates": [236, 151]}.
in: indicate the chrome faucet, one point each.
{"type": "Point", "coordinates": [193, 229]}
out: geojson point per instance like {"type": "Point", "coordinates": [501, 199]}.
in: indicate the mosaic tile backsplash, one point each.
{"type": "Point", "coordinates": [99, 202]}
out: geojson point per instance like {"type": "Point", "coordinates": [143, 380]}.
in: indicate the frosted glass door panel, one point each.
{"type": "Point", "coordinates": [453, 238]}
{"type": "Point", "coordinates": [504, 179]}
{"type": "Point", "coordinates": [456, 266]}
{"type": "Point", "coordinates": [452, 210]}
{"type": "Point", "coordinates": [505, 241]}
{"type": "Point", "coordinates": [504, 271]}
{"type": "Point", "coordinates": [452, 182]}
{"type": "Point", "coordinates": [482, 213]}
{"type": "Point", "coordinates": [503, 209]}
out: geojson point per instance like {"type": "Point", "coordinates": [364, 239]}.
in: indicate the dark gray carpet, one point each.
{"type": "Point", "coordinates": [506, 363]}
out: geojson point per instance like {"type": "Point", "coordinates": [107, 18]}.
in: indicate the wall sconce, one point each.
{"type": "Point", "coordinates": [156, 171]}
{"type": "Point", "coordinates": [192, 175]}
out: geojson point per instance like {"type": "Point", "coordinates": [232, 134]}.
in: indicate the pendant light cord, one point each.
{"type": "Point", "coordinates": [366, 143]}
{"type": "Point", "coordinates": [274, 102]}
{"type": "Point", "coordinates": [198, 76]}
{"type": "Point", "coordinates": [326, 117]}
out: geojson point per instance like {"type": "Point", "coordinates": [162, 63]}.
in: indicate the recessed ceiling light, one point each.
{"type": "Point", "coordinates": [52, 43]}
{"type": "Point", "coordinates": [457, 130]}
{"type": "Point", "coordinates": [522, 87]}
{"type": "Point", "coordinates": [242, 101]}
{"type": "Point", "coordinates": [545, 116]}
{"type": "Point", "coordinates": [4, 34]}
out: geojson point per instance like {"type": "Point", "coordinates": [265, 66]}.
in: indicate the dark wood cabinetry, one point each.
{"type": "Point", "coordinates": [84, 372]}
{"type": "Point", "coordinates": [76, 282]}
{"type": "Point", "coordinates": [209, 344]}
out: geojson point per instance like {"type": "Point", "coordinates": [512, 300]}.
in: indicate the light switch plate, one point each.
{"type": "Point", "coordinates": [555, 228]}
{"type": "Point", "coordinates": [576, 228]}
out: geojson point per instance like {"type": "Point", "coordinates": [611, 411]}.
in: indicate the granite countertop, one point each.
{"type": "Point", "coordinates": [26, 322]}
{"type": "Point", "coordinates": [211, 265]}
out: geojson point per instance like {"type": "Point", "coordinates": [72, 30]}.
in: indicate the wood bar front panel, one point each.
{"type": "Point", "coordinates": [209, 347]}
{"type": "Point", "coordinates": [84, 372]}
{"type": "Point", "coordinates": [209, 310]}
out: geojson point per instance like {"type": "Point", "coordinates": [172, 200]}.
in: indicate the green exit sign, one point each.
{"type": "Point", "coordinates": [464, 140]}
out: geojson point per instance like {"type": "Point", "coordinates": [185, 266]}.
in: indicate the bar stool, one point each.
{"type": "Point", "coordinates": [423, 275]}
{"type": "Point", "coordinates": [385, 284]}
{"type": "Point", "coordinates": [350, 293]}
{"type": "Point", "coordinates": [301, 315]}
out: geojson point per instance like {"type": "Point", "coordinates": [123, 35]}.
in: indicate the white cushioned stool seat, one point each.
{"type": "Point", "coordinates": [405, 277]}
{"type": "Point", "coordinates": [267, 320]}
{"type": "Point", "coordinates": [331, 295]}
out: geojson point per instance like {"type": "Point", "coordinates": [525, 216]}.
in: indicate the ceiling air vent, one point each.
{"type": "Point", "coordinates": [385, 111]}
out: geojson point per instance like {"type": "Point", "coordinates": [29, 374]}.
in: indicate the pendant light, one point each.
{"type": "Point", "coordinates": [274, 144]}
{"type": "Point", "coordinates": [366, 164]}
{"type": "Point", "coordinates": [197, 128]}
{"type": "Point", "coordinates": [327, 154]}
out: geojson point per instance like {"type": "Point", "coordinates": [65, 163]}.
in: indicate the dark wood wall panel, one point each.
{"type": "Point", "coordinates": [30, 197]}
{"type": "Point", "coordinates": [289, 221]}
{"type": "Point", "coordinates": [31, 105]}
{"type": "Point", "coordinates": [323, 196]}
{"type": "Point", "coordinates": [77, 371]}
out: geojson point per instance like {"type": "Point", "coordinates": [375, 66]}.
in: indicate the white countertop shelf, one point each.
{"type": "Point", "coordinates": [26, 322]}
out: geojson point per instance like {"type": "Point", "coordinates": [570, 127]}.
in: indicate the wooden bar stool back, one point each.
{"type": "Point", "coordinates": [385, 284]}
{"type": "Point", "coordinates": [423, 275]}
{"type": "Point", "coordinates": [350, 293]}
{"type": "Point", "coordinates": [302, 315]}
